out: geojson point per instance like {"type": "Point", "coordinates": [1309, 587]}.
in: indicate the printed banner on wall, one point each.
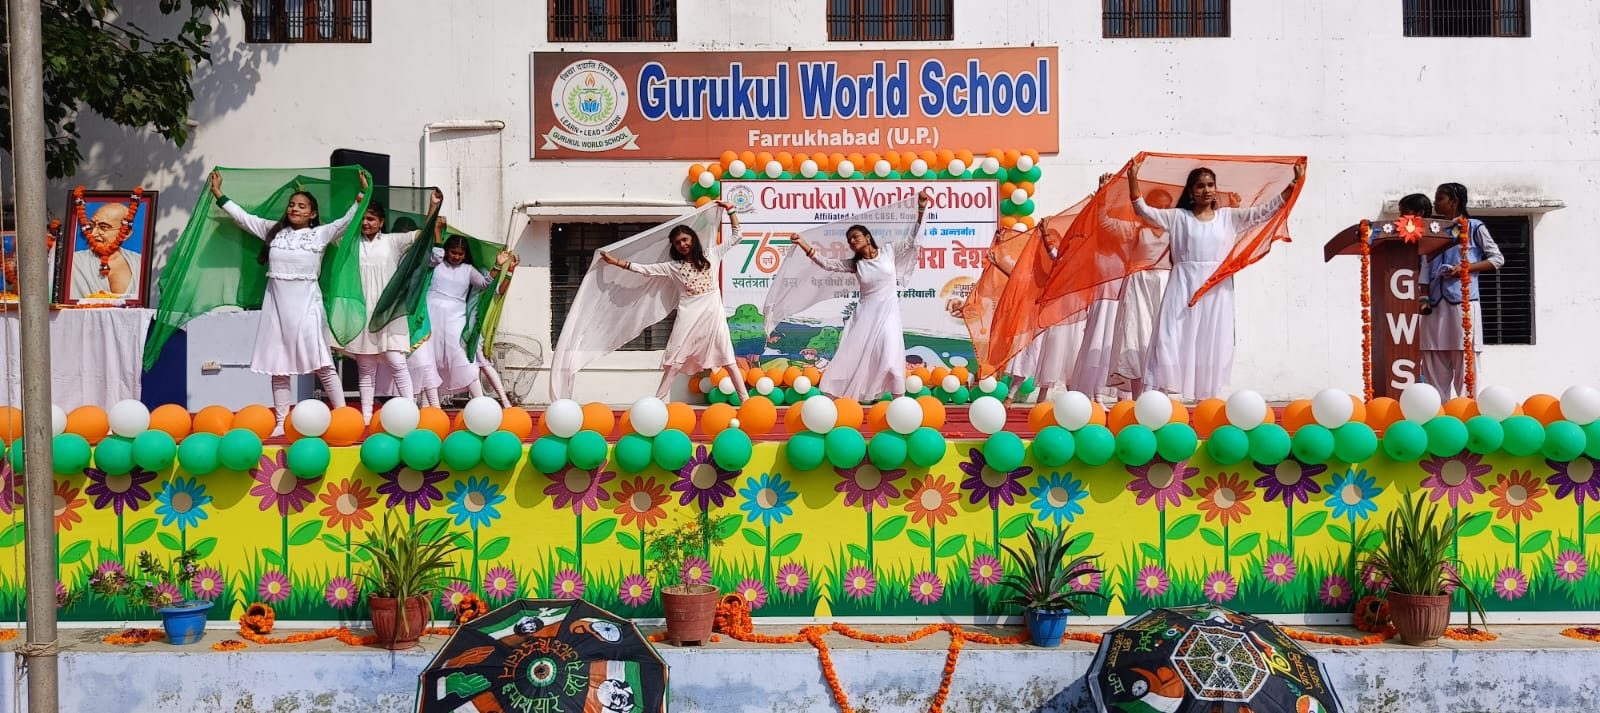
{"type": "Point", "coordinates": [689, 105]}
{"type": "Point", "coordinates": [956, 234]}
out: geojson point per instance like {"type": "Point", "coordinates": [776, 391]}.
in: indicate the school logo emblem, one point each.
{"type": "Point", "coordinates": [590, 102]}
{"type": "Point", "coordinates": [742, 198]}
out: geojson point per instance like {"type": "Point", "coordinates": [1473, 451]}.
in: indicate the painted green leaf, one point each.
{"type": "Point", "coordinates": [1504, 534]}
{"type": "Point", "coordinates": [140, 532]}
{"type": "Point", "coordinates": [75, 552]}
{"type": "Point", "coordinates": [1537, 541]}
{"type": "Point", "coordinates": [1371, 540]}
{"type": "Point", "coordinates": [105, 554]}
{"type": "Point", "coordinates": [434, 529]}
{"type": "Point", "coordinates": [1080, 543]}
{"type": "Point", "coordinates": [168, 541]}
{"type": "Point", "coordinates": [566, 555]}
{"type": "Point", "coordinates": [362, 555]}
{"type": "Point", "coordinates": [1593, 526]}
{"type": "Point", "coordinates": [461, 540]}
{"type": "Point", "coordinates": [1014, 527]}
{"type": "Point", "coordinates": [1184, 527]}
{"type": "Point", "coordinates": [1310, 524]}
{"type": "Point", "coordinates": [786, 545]}
{"type": "Point", "coordinates": [1150, 551]}
{"type": "Point", "coordinates": [1567, 543]}
{"type": "Point", "coordinates": [951, 546]}
{"type": "Point", "coordinates": [206, 546]}
{"type": "Point", "coordinates": [752, 536]}
{"type": "Point", "coordinates": [858, 552]}
{"type": "Point", "coordinates": [600, 531]}
{"type": "Point", "coordinates": [1212, 536]}
{"type": "Point", "coordinates": [983, 548]}
{"type": "Point", "coordinates": [726, 526]}
{"type": "Point", "coordinates": [271, 556]}
{"type": "Point", "coordinates": [305, 532]}
{"type": "Point", "coordinates": [890, 529]}
{"type": "Point", "coordinates": [918, 538]}
{"type": "Point", "coordinates": [1245, 545]}
{"type": "Point", "coordinates": [1339, 534]}
{"type": "Point", "coordinates": [333, 543]}
{"type": "Point", "coordinates": [627, 540]}
{"type": "Point", "coordinates": [1475, 523]}
{"type": "Point", "coordinates": [498, 546]}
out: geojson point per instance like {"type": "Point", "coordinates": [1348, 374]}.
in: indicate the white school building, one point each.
{"type": "Point", "coordinates": [1384, 97]}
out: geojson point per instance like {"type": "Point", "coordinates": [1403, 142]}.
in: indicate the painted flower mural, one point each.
{"type": "Point", "coordinates": [1058, 497]}
{"type": "Point", "coordinates": [121, 494]}
{"type": "Point", "coordinates": [280, 489]}
{"type": "Point", "coordinates": [872, 489]}
{"type": "Point", "coordinates": [767, 498]}
{"type": "Point", "coordinates": [67, 503]}
{"type": "Point", "coordinates": [500, 583]}
{"type": "Point", "coordinates": [1455, 478]}
{"type": "Point", "coordinates": [639, 502]}
{"type": "Point", "coordinates": [793, 579]}
{"type": "Point", "coordinates": [702, 482]}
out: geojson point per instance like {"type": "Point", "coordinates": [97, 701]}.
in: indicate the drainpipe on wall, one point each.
{"type": "Point", "coordinates": [495, 125]}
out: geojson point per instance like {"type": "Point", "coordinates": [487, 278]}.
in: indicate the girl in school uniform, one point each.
{"type": "Point", "coordinates": [1444, 363]}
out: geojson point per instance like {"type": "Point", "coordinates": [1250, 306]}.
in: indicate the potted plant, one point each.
{"type": "Point", "coordinates": [1042, 584]}
{"type": "Point", "coordinates": [405, 567]}
{"type": "Point", "coordinates": [690, 608]}
{"type": "Point", "coordinates": [1413, 556]}
{"type": "Point", "coordinates": [162, 588]}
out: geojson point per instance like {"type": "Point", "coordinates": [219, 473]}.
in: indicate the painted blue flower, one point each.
{"type": "Point", "coordinates": [767, 498]}
{"type": "Point", "coordinates": [1351, 495]}
{"type": "Point", "coordinates": [473, 500]}
{"type": "Point", "coordinates": [182, 500]}
{"type": "Point", "coordinates": [1056, 497]}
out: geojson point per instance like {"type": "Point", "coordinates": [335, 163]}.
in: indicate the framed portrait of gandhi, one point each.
{"type": "Point", "coordinates": [104, 255]}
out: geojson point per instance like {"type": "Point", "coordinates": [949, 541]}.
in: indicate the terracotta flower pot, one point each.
{"type": "Point", "coordinates": [691, 610]}
{"type": "Point", "coordinates": [1419, 619]}
{"type": "Point", "coordinates": [386, 620]}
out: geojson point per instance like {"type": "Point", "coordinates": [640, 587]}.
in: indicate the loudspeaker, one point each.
{"type": "Point", "coordinates": [376, 164]}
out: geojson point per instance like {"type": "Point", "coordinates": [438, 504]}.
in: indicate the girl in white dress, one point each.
{"type": "Point", "coordinates": [871, 357]}
{"type": "Point", "coordinates": [1048, 357]}
{"type": "Point", "coordinates": [507, 261]}
{"type": "Point", "coordinates": [292, 338]}
{"type": "Point", "coordinates": [1140, 299]}
{"type": "Point", "coordinates": [380, 257]}
{"type": "Point", "coordinates": [1191, 350]}
{"type": "Point", "coordinates": [441, 363]}
{"type": "Point", "coordinates": [700, 337]}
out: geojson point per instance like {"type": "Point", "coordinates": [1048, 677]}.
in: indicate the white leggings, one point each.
{"type": "Point", "coordinates": [367, 371]}
{"type": "Point", "coordinates": [283, 398]}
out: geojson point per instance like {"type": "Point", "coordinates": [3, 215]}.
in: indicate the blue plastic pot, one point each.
{"type": "Point", "coordinates": [1046, 628]}
{"type": "Point", "coordinates": [185, 623]}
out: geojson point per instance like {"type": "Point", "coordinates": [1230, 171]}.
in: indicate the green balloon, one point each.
{"type": "Point", "coordinates": [1484, 435]}
{"type": "Point", "coordinates": [795, 398]}
{"type": "Point", "coordinates": [1053, 446]}
{"type": "Point", "coordinates": [1004, 451]}
{"type": "Point", "coordinates": [1354, 442]}
{"type": "Point", "coordinates": [1176, 442]}
{"type": "Point", "coordinates": [1313, 443]}
{"type": "Point", "coordinates": [239, 449]}
{"type": "Point", "coordinates": [1228, 445]}
{"type": "Point", "coordinates": [1564, 441]}
{"type": "Point", "coordinates": [632, 453]}
{"type": "Point", "coordinates": [926, 447]}
{"type": "Point", "coordinates": [461, 451]}
{"type": "Point", "coordinates": [671, 449]}
{"type": "Point", "coordinates": [587, 450]}
{"type": "Point", "coordinates": [501, 451]}
{"type": "Point", "coordinates": [1269, 444]}
{"type": "Point", "coordinates": [715, 396]}
{"type": "Point", "coordinates": [1095, 444]}
{"type": "Point", "coordinates": [805, 450]}
{"type": "Point", "coordinates": [70, 452]}
{"type": "Point", "coordinates": [888, 450]}
{"type": "Point", "coordinates": [197, 454]}
{"type": "Point", "coordinates": [549, 454]}
{"type": "Point", "coordinates": [1405, 441]}
{"type": "Point", "coordinates": [1524, 435]}
{"type": "Point", "coordinates": [308, 457]}
{"type": "Point", "coordinates": [845, 447]}
{"type": "Point", "coordinates": [1027, 387]}
{"type": "Point", "coordinates": [154, 450]}
{"type": "Point", "coordinates": [963, 395]}
{"type": "Point", "coordinates": [1447, 435]}
{"type": "Point", "coordinates": [114, 455]}
{"type": "Point", "coordinates": [731, 449]}
{"type": "Point", "coordinates": [380, 453]}
{"type": "Point", "coordinates": [1136, 444]}
{"type": "Point", "coordinates": [420, 449]}
{"type": "Point", "coordinates": [1592, 436]}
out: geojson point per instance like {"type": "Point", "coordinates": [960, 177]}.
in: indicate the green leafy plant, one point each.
{"type": "Point", "coordinates": [1043, 580]}
{"type": "Point", "coordinates": [406, 560]}
{"type": "Point", "coordinates": [1416, 556]}
{"type": "Point", "coordinates": [152, 584]}
{"type": "Point", "coordinates": [670, 547]}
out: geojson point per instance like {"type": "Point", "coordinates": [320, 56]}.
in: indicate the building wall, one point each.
{"type": "Point", "coordinates": [1379, 115]}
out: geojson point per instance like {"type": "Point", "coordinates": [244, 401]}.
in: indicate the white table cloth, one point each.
{"type": "Point", "coordinates": [96, 355]}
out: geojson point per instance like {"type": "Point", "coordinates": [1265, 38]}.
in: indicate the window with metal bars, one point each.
{"type": "Point", "coordinates": [1165, 18]}
{"type": "Point", "coordinates": [890, 20]}
{"type": "Point", "coordinates": [1505, 296]}
{"type": "Point", "coordinates": [282, 21]}
{"type": "Point", "coordinates": [1465, 18]}
{"type": "Point", "coordinates": [613, 20]}
{"type": "Point", "coordinates": [572, 247]}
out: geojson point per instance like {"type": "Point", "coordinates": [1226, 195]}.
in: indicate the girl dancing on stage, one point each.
{"type": "Point", "coordinates": [442, 361]}
{"type": "Point", "coordinates": [1443, 358]}
{"type": "Point", "coordinates": [380, 258]}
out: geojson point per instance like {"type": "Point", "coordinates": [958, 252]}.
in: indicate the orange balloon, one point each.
{"type": "Point", "coordinates": [1180, 413]}
{"type": "Point", "coordinates": [694, 384]}
{"type": "Point", "coordinates": [717, 169]}
{"type": "Point", "coordinates": [1121, 415]}
{"type": "Point", "coordinates": [90, 422]}
{"type": "Point", "coordinates": [344, 427]}
{"type": "Point", "coordinates": [776, 375]}
{"type": "Point", "coordinates": [932, 412]}
{"type": "Point", "coordinates": [1097, 414]}
{"type": "Point", "coordinates": [1026, 221]}
{"type": "Point", "coordinates": [1032, 153]}
{"type": "Point", "coordinates": [1042, 415]}
{"type": "Point", "coordinates": [871, 161]}
{"type": "Point", "coordinates": [752, 375]}
{"type": "Point", "coordinates": [172, 419]}
{"type": "Point", "coordinates": [1006, 189]}
{"type": "Point", "coordinates": [834, 159]}
{"type": "Point", "coordinates": [624, 426]}
{"type": "Point", "coordinates": [859, 161]}
{"type": "Point", "coordinates": [790, 374]}
{"type": "Point", "coordinates": [791, 420]}
{"type": "Point", "coordinates": [1359, 413]}
{"type": "Point", "coordinates": [459, 422]}
{"type": "Point", "coordinates": [10, 423]}
{"type": "Point", "coordinates": [1382, 412]}
{"type": "Point", "coordinates": [1297, 414]}
{"type": "Point", "coordinates": [257, 419]}
{"type": "Point", "coordinates": [1027, 187]}
{"type": "Point", "coordinates": [821, 159]}
{"type": "Point", "coordinates": [965, 156]}
{"type": "Point", "coordinates": [944, 156]}
{"type": "Point", "coordinates": [762, 159]}
{"type": "Point", "coordinates": [434, 419]}
{"type": "Point", "coordinates": [922, 373]}
{"type": "Point", "coordinates": [786, 160]}
{"type": "Point", "coordinates": [716, 418]}
{"type": "Point", "coordinates": [930, 158]}
{"type": "Point", "coordinates": [290, 433]}
{"type": "Point", "coordinates": [748, 157]}
{"type": "Point", "coordinates": [850, 413]}
{"type": "Point", "coordinates": [936, 377]}
{"type": "Point", "coordinates": [997, 154]}
{"type": "Point", "coordinates": [893, 157]}
{"type": "Point", "coordinates": [717, 375]}
{"type": "Point", "coordinates": [680, 417]}
{"type": "Point", "coordinates": [1007, 221]}
{"type": "Point", "coordinates": [517, 421]}
{"type": "Point", "coordinates": [695, 170]}
{"type": "Point", "coordinates": [812, 373]}
{"type": "Point", "coordinates": [1461, 407]}
{"type": "Point", "coordinates": [1011, 157]}
{"type": "Point", "coordinates": [878, 416]}
{"type": "Point", "coordinates": [598, 417]}
{"type": "Point", "coordinates": [1208, 415]}
{"type": "Point", "coordinates": [702, 201]}
{"type": "Point", "coordinates": [757, 417]}
{"type": "Point", "coordinates": [961, 373]}
{"type": "Point", "coordinates": [213, 419]}
{"type": "Point", "coordinates": [728, 157]}
{"type": "Point", "coordinates": [1544, 407]}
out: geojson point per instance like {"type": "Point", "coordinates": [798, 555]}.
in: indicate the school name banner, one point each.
{"type": "Point", "coordinates": [690, 105]}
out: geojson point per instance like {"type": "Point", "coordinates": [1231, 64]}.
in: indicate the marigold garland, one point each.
{"type": "Point", "coordinates": [8, 634]}
{"type": "Point", "coordinates": [1336, 640]}
{"type": "Point", "coordinates": [259, 619]}
{"type": "Point", "coordinates": [1466, 303]}
{"type": "Point", "coordinates": [1469, 633]}
{"type": "Point", "coordinates": [229, 645]}
{"type": "Point", "coordinates": [1372, 614]}
{"type": "Point", "coordinates": [1587, 633]}
{"type": "Point", "coordinates": [104, 252]}
{"type": "Point", "coordinates": [470, 607]}
{"type": "Point", "coordinates": [135, 636]}
{"type": "Point", "coordinates": [1365, 235]}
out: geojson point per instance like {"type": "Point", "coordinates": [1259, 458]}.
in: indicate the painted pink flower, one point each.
{"type": "Point", "coordinates": [859, 582]}
{"type": "Point", "coordinates": [118, 492]}
{"type": "Point", "coordinates": [1087, 582]}
{"type": "Point", "coordinates": [273, 587]}
{"type": "Point", "coordinates": [168, 593]}
{"type": "Point", "coordinates": [754, 592]}
{"type": "Point", "coordinates": [208, 584]}
{"type": "Point", "coordinates": [635, 590]}
{"type": "Point", "coordinates": [1335, 591]}
{"type": "Point", "coordinates": [279, 488]}
{"type": "Point", "coordinates": [578, 488]}
{"type": "Point", "coordinates": [868, 485]}
{"type": "Point", "coordinates": [1220, 587]}
{"type": "Point", "coordinates": [1571, 566]}
{"type": "Point", "coordinates": [696, 570]}
{"type": "Point", "coordinates": [792, 579]}
{"type": "Point", "coordinates": [1152, 582]}
{"type": "Point", "coordinates": [340, 593]}
{"type": "Point", "coordinates": [567, 584]}
{"type": "Point", "coordinates": [1449, 578]}
{"type": "Point", "coordinates": [926, 588]}
{"type": "Point", "coordinates": [1455, 478]}
{"type": "Point", "coordinates": [986, 570]}
{"type": "Point", "coordinates": [453, 593]}
{"type": "Point", "coordinates": [1278, 569]}
{"type": "Point", "coordinates": [1374, 580]}
{"type": "Point", "coordinates": [500, 583]}
{"type": "Point", "coordinates": [109, 567]}
{"type": "Point", "coordinates": [1162, 481]}
{"type": "Point", "coordinates": [1510, 583]}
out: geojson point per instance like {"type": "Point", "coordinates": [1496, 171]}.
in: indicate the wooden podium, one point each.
{"type": "Point", "coordinates": [1396, 309]}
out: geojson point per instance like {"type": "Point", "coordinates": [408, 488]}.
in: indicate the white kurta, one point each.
{"type": "Point", "coordinates": [1136, 310]}
{"type": "Point", "coordinates": [293, 336]}
{"type": "Point", "coordinates": [700, 337]}
{"type": "Point", "coordinates": [87, 280]}
{"type": "Point", "coordinates": [1191, 348]}
{"type": "Point", "coordinates": [871, 358]}
{"type": "Point", "coordinates": [442, 360]}
{"type": "Point", "coordinates": [380, 257]}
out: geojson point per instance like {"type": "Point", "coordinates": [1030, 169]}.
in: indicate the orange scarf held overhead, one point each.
{"type": "Point", "coordinates": [1016, 320]}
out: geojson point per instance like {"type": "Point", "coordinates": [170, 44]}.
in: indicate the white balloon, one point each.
{"type": "Point", "coordinates": [1018, 227]}
{"type": "Point", "coordinates": [802, 384]}
{"type": "Point", "coordinates": [905, 415]}
{"type": "Point", "coordinates": [808, 168]}
{"type": "Point", "coordinates": [764, 385]}
{"type": "Point", "coordinates": [846, 168]}
{"type": "Point", "coordinates": [399, 417]}
{"type": "Point", "coordinates": [819, 414]}
{"type": "Point", "coordinates": [311, 418]}
{"type": "Point", "coordinates": [913, 384]}
{"type": "Point", "coordinates": [1579, 404]}
{"type": "Point", "coordinates": [951, 383]}
{"type": "Point", "coordinates": [705, 384]}
{"type": "Point", "coordinates": [774, 169]}
{"type": "Point", "coordinates": [733, 423]}
{"type": "Point", "coordinates": [987, 414]}
{"type": "Point", "coordinates": [1025, 163]}
{"type": "Point", "coordinates": [58, 420]}
{"type": "Point", "coordinates": [1019, 196]}
{"type": "Point", "coordinates": [1497, 402]}
{"type": "Point", "coordinates": [1419, 402]}
{"type": "Point", "coordinates": [128, 418]}
{"type": "Point", "coordinates": [737, 168]}
{"type": "Point", "coordinates": [706, 179]}
{"type": "Point", "coordinates": [648, 416]}
{"type": "Point", "coordinates": [482, 415]}
{"type": "Point", "coordinates": [1246, 409]}
{"type": "Point", "coordinates": [958, 167]}
{"type": "Point", "coordinates": [882, 169]}
{"type": "Point", "coordinates": [564, 417]}
{"type": "Point", "coordinates": [1073, 410]}
{"type": "Point", "coordinates": [726, 385]}
{"type": "Point", "coordinates": [1153, 409]}
{"type": "Point", "coordinates": [1332, 408]}
{"type": "Point", "coordinates": [919, 167]}
{"type": "Point", "coordinates": [991, 164]}
{"type": "Point", "coordinates": [987, 384]}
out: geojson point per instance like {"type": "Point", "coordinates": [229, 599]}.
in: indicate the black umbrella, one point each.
{"type": "Point", "coordinates": [1207, 660]}
{"type": "Point", "coordinates": [545, 655]}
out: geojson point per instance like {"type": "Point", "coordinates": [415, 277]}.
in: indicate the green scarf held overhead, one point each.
{"type": "Point", "coordinates": [215, 261]}
{"type": "Point", "coordinates": [407, 294]}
